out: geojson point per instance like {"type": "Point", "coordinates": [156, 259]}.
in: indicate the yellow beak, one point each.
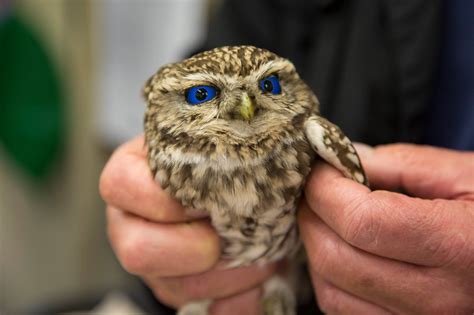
{"type": "Point", "coordinates": [247, 110]}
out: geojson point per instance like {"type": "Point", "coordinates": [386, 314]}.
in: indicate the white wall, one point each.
{"type": "Point", "coordinates": [134, 39]}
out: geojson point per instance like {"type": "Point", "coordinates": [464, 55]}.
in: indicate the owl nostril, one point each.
{"type": "Point", "coordinates": [244, 89]}
{"type": "Point", "coordinates": [250, 95]}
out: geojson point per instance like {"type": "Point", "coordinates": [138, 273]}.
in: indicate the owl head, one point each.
{"type": "Point", "coordinates": [237, 95]}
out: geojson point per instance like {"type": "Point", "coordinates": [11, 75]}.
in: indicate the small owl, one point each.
{"type": "Point", "coordinates": [234, 131]}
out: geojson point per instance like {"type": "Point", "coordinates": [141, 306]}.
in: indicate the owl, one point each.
{"type": "Point", "coordinates": [234, 132]}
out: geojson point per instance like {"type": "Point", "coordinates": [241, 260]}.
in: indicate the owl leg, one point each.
{"type": "Point", "coordinates": [195, 308]}
{"type": "Point", "coordinates": [278, 297]}
{"type": "Point", "coordinates": [328, 141]}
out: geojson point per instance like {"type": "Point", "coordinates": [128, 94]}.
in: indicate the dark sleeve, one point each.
{"type": "Point", "coordinates": [370, 63]}
{"type": "Point", "coordinates": [451, 120]}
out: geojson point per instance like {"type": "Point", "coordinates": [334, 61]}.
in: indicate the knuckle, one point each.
{"type": "Point", "coordinates": [132, 254]}
{"type": "Point", "coordinates": [362, 225]}
{"type": "Point", "coordinates": [448, 245]}
{"type": "Point", "coordinates": [164, 294]}
{"type": "Point", "coordinates": [411, 155]}
{"type": "Point", "coordinates": [452, 250]}
{"type": "Point", "coordinates": [401, 150]}
{"type": "Point", "coordinates": [328, 300]}
{"type": "Point", "coordinates": [111, 175]}
{"type": "Point", "coordinates": [437, 217]}
{"type": "Point", "coordinates": [108, 181]}
{"type": "Point", "coordinates": [322, 256]}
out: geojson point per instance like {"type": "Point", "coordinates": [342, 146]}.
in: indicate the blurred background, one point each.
{"type": "Point", "coordinates": [71, 74]}
{"type": "Point", "coordinates": [76, 67]}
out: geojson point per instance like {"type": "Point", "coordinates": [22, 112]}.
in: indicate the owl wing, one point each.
{"type": "Point", "coordinates": [328, 141]}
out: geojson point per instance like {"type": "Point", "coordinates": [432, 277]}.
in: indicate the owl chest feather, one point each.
{"type": "Point", "coordinates": [251, 203]}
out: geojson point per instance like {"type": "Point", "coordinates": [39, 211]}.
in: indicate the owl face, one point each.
{"type": "Point", "coordinates": [237, 95]}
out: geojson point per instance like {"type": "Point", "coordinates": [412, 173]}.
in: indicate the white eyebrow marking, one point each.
{"type": "Point", "coordinates": [213, 78]}
{"type": "Point", "coordinates": [233, 81]}
{"type": "Point", "coordinates": [270, 67]}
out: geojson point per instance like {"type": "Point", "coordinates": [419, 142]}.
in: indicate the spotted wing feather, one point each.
{"type": "Point", "coordinates": [330, 143]}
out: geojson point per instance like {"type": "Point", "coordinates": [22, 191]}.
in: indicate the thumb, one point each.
{"type": "Point", "coordinates": [421, 171]}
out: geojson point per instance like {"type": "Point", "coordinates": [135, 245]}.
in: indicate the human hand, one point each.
{"type": "Point", "coordinates": [383, 252]}
{"type": "Point", "coordinates": [175, 254]}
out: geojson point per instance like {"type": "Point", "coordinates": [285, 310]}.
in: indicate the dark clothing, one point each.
{"type": "Point", "coordinates": [370, 63]}
{"type": "Point", "coordinates": [451, 120]}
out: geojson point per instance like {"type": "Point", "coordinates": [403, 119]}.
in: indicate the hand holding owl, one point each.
{"type": "Point", "coordinates": [383, 252]}
{"type": "Point", "coordinates": [176, 255]}
{"type": "Point", "coordinates": [233, 133]}
{"type": "Point", "coordinates": [139, 217]}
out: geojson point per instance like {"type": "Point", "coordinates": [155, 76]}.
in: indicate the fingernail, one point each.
{"type": "Point", "coordinates": [364, 150]}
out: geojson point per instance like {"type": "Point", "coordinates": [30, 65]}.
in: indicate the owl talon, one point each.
{"type": "Point", "coordinates": [278, 298]}
{"type": "Point", "coordinates": [195, 308]}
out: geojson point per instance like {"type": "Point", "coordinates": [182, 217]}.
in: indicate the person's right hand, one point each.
{"type": "Point", "coordinates": [176, 255]}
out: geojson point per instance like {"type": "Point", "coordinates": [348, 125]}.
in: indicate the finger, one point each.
{"type": "Point", "coordinates": [245, 303]}
{"type": "Point", "coordinates": [422, 171]}
{"type": "Point", "coordinates": [160, 249]}
{"type": "Point", "coordinates": [127, 183]}
{"type": "Point", "coordinates": [213, 284]}
{"type": "Point", "coordinates": [375, 279]}
{"type": "Point", "coordinates": [424, 232]}
{"type": "Point", "coordinates": [332, 300]}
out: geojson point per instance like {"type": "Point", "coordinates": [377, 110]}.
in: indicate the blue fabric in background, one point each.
{"type": "Point", "coordinates": [452, 118]}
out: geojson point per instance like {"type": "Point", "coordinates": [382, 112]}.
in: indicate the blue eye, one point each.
{"type": "Point", "coordinates": [200, 94]}
{"type": "Point", "coordinates": [270, 84]}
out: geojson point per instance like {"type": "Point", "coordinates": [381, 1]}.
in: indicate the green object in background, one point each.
{"type": "Point", "coordinates": [31, 114]}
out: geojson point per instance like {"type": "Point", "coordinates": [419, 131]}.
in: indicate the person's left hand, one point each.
{"type": "Point", "coordinates": [382, 252]}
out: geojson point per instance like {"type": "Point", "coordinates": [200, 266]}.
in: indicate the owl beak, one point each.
{"type": "Point", "coordinates": [247, 110]}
